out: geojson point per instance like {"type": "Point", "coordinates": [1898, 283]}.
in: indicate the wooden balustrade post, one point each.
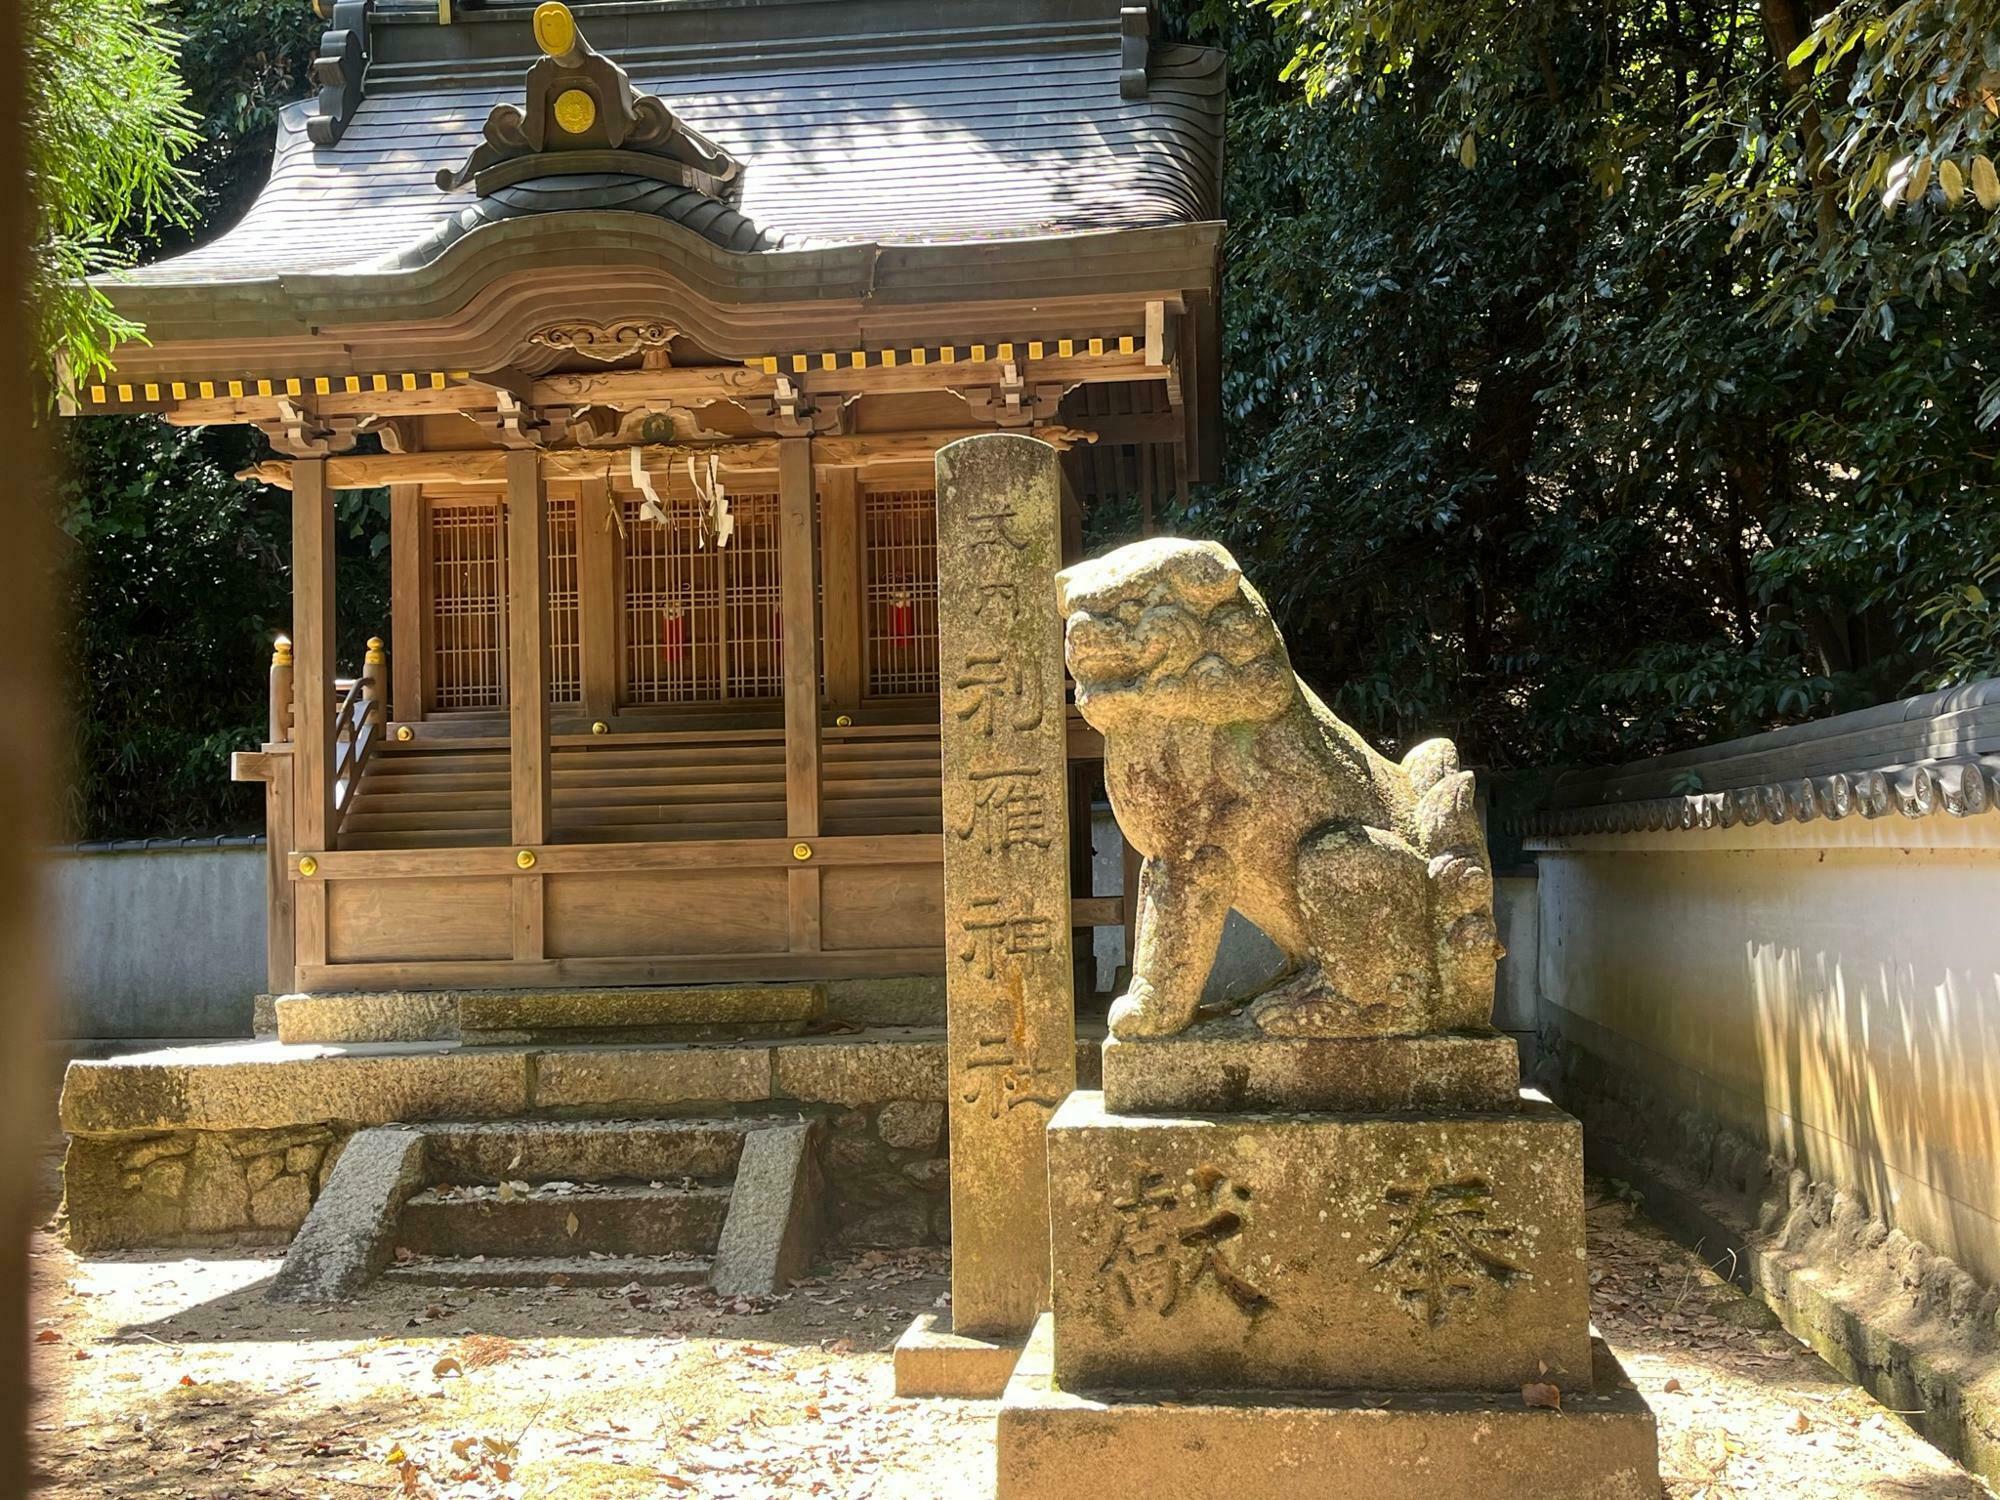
{"type": "Point", "coordinates": [374, 686]}
{"type": "Point", "coordinates": [281, 690]}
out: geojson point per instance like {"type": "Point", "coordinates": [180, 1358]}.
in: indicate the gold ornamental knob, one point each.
{"type": "Point", "coordinates": [844, 720]}
{"type": "Point", "coordinates": [308, 865]}
{"type": "Point", "coordinates": [405, 733]}
{"type": "Point", "coordinates": [375, 657]}
{"type": "Point", "coordinates": [281, 651]}
{"type": "Point", "coordinates": [525, 859]}
{"type": "Point", "coordinates": [802, 852]}
{"type": "Point", "coordinates": [555, 28]}
{"type": "Point", "coordinates": [600, 727]}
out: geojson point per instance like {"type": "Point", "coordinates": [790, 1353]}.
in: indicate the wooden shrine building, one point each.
{"type": "Point", "coordinates": [650, 317]}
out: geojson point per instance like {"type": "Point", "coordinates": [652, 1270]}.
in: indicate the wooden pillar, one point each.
{"type": "Point", "coordinates": [599, 595]}
{"type": "Point", "coordinates": [841, 586]}
{"type": "Point", "coordinates": [527, 687]}
{"type": "Point", "coordinates": [406, 601]}
{"type": "Point", "coordinates": [312, 653]}
{"type": "Point", "coordinates": [801, 654]}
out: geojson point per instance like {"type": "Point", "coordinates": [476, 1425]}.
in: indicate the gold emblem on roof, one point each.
{"type": "Point", "coordinates": [576, 111]}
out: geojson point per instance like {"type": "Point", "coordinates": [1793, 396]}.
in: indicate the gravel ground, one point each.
{"type": "Point", "coordinates": [173, 1377]}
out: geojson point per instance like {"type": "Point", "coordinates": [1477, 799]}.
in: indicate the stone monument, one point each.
{"type": "Point", "coordinates": [1321, 1245]}
{"type": "Point", "coordinates": [1010, 1006]}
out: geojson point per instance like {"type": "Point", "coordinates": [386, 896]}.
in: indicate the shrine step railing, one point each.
{"type": "Point", "coordinates": [359, 717]}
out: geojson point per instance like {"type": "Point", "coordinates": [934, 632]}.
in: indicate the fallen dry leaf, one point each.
{"type": "Point", "coordinates": [1673, 1384]}
{"type": "Point", "coordinates": [1541, 1393]}
{"type": "Point", "coordinates": [447, 1366]}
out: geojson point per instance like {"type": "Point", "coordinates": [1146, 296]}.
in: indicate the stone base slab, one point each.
{"type": "Point", "coordinates": [1055, 1444]}
{"type": "Point", "coordinates": [1318, 1252]}
{"type": "Point", "coordinates": [1226, 1065]}
{"type": "Point", "coordinates": [931, 1360]}
{"type": "Point", "coordinates": [510, 1017]}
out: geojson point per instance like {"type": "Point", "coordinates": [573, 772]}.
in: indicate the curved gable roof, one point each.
{"type": "Point", "coordinates": [859, 121]}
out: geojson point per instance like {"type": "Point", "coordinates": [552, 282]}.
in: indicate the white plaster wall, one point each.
{"type": "Point", "coordinates": [1515, 912]}
{"type": "Point", "coordinates": [157, 942]}
{"type": "Point", "coordinates": [1841, 1003]}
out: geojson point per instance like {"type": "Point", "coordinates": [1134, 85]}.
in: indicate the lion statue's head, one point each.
{"type": "Point", "coordinates": [1169, 629]}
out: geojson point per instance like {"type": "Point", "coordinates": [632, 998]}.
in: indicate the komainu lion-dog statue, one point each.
{"type": "Point", "coordinates": [1242, 789]}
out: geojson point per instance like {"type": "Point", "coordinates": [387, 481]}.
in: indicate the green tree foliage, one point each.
{"type": "Point", "coordinates": [1604, 378]}
{"type": "Point", "coordinates": [109, 121]}
{"type": "Point", "coordinates": [178, 571]}
{"type": "Point", "coordinates": [180, 587]}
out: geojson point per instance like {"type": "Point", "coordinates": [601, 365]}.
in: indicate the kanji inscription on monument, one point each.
{"type": "Point", "coordinates": [1010, 1007]}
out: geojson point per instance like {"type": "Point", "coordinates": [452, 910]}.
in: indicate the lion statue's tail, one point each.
{"type": "Point", "coordinates": [1450, 838]}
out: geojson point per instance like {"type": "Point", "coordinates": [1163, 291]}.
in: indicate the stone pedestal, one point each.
{"type": "Point", "coordinates": [1383, 1445]}
{"type": "Point", "coordinates": [1318, 1252]}
{"type": "Point", "coordinates": [1225, 1065]}
{"type": "Point", "coordinates": [1291, 1301]}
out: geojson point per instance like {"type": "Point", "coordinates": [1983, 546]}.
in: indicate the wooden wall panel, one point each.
{"type": "Point", "coordinates": [403, 920]}
{"type": "Point", "coordinates": [647, 913]}
{"type": "Point", "coordinates": [884, 906]}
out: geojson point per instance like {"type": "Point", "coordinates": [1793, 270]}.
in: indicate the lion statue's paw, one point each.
{"type": "Point", "coordinates": [1143, 1011]}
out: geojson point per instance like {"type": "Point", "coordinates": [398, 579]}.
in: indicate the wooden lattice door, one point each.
{"type": "Point", "coordinates": [466, 558]}
{"type": "Point", "coordinates": [703, 623]}
{"type": "Point", "coordinates": [899, 558]}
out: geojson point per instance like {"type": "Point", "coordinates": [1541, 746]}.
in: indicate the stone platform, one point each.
{"type": "Point", "coordinates": [1056, 1444]}
{"type": "Point", "coordinates": [1318, 1252]}
{"type": "Point", "coordinates": [231, 1143]}
{"type": "Point", "coordinates": [679, 1013]}
{"type": "Point", "coordinates": [1224, 1064]}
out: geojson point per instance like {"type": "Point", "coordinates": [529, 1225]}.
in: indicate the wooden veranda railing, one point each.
{"type": "Point", "coordinates": [358, 716]}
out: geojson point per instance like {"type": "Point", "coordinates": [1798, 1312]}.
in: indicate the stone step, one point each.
{"type": "Point", "coordinates": [584, 1150]}
{"type": "Point", "coordinates": [542, 1270]}
{"type": "Point", "coordinates": [509, 1017]}
{"type": "Point", "coordinates": [636, 1219]}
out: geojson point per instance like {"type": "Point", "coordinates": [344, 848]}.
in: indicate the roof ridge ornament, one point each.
{"type": "Point", "coordinates": [338, 68]}
{"type": "Point", "coordinates": [582, 115]}
{"type": "Point", "coordinates": [1135, 49]}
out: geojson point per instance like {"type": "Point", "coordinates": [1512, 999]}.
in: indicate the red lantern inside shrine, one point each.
{"type": "Point", "coordinates": [673, 635]}
{"type": "Point", "coordinates": [902, 619]}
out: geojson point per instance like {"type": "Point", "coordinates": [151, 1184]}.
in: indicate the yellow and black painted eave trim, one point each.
{"type": "Point", "coordinates": [833, 361]}
{"type": "Point", "coordinates": [128, 393]}
{"type": "Point", "coordinates": [113, 393]}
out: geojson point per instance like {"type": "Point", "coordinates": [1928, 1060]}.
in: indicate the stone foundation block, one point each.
{"type": "Point", "coordinates": [932, 1360]}
{"type": "Point", "coordinates": [238, 1086]}
{"type": "Point", "coordinates": [1227, 1065]}
{"type": "Point", "coordinates": [1055, 1444]}
{"type": "Point", "coordinates": [642, 1079]}
{"type": "Point", "coordinates": [191, 1188]}
{"type": "Point", "coordinates": [517, 1016]}
{"type": "Point", "coordinates": [1329, 1252]}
